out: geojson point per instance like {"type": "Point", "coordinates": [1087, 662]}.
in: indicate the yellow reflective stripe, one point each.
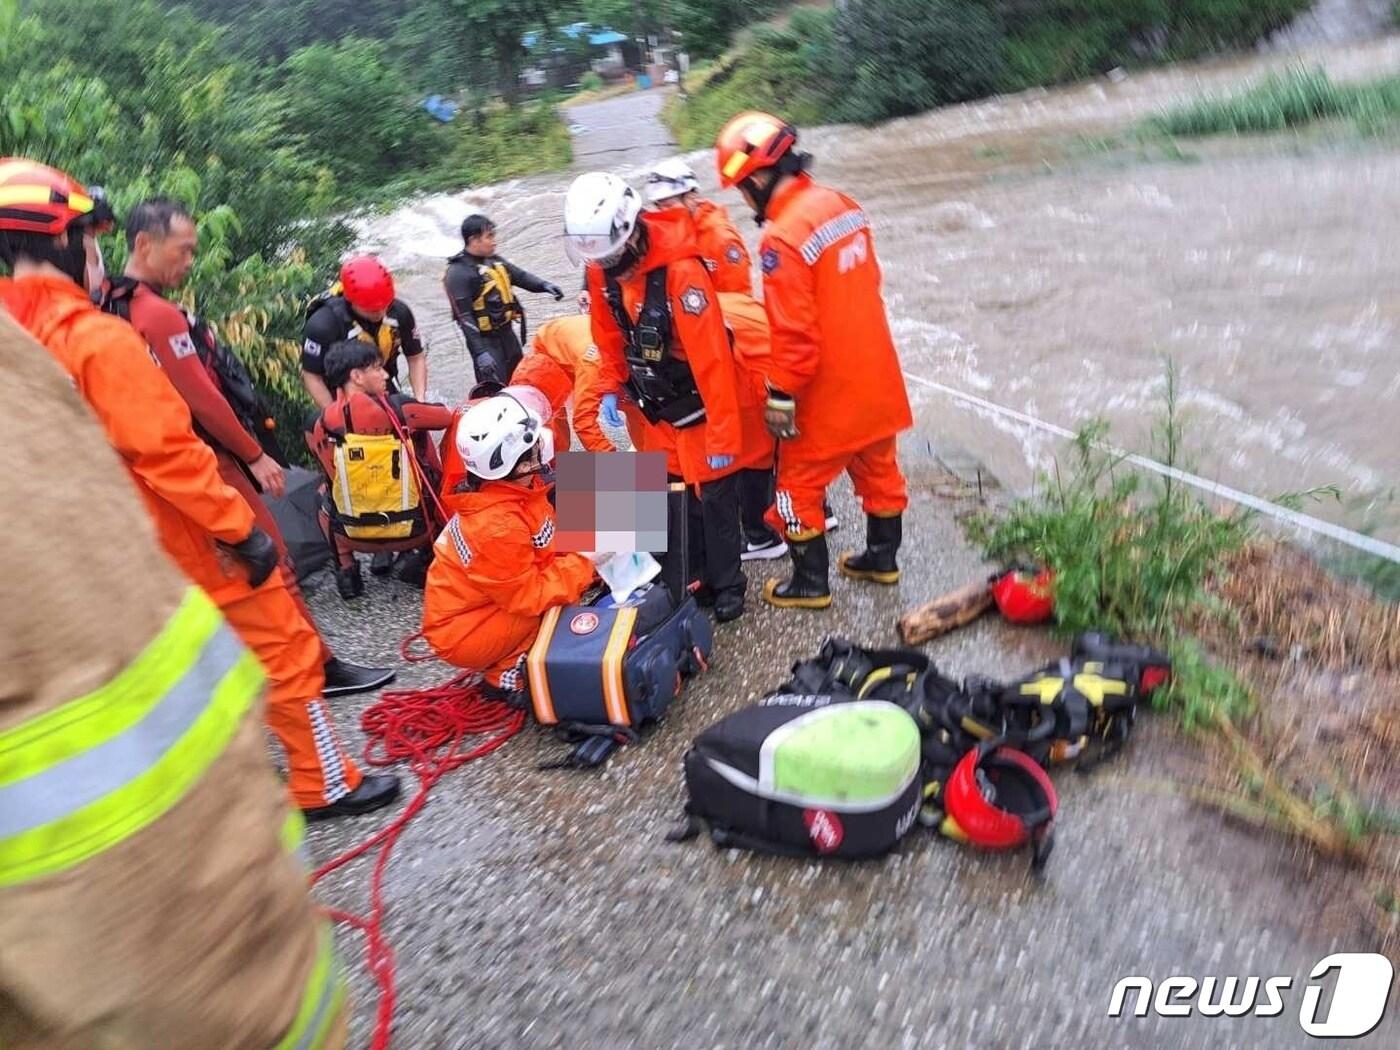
{"type": "Point", "coordinates": [614, 695]}
{"type": "Point", "coordinates": [734, 163]}
{"type": "Point", "coordinates": [294, 833]}
{"type": "Point", "coordinates": [321, 1000]}
{"type": "Point", "coordinates": [124, 811]}
{"type": "Point", "coordinates": [81, 724]}
{"type": "Point", "coordinates": [13, 195]}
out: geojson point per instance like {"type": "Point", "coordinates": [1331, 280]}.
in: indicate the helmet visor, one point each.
{"type": "Point", "coordinates": [602, 248]}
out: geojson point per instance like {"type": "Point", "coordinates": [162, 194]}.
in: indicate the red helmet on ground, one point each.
{"type": "Point", "coordinates": [1025, 595]}
{"type": "Point", "coordinates": [367, 283]}
{"type": "Point", "coordinates": [35, 198]}
{"type": "Point", "coordinates": [751, 142]}
{"type": "Point", "coordinates": [999, 798]}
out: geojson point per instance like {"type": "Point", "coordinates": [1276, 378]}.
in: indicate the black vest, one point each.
{"type": "Point", "coordinates": [661, 383]}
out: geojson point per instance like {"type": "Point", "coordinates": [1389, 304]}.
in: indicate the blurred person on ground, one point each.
{"type": "Point", "coordinates": [138, 908]}
{"type": "Point", "coordinates": [836, 396]}
{"type": "Point", "coordinates": [361, 305]}
{"type": "Point", "coordinates": [48, 238]}
{"type": "Point", "coordinates": [481, 291]}
{"type": "Point", "coordinates": [162, 240]}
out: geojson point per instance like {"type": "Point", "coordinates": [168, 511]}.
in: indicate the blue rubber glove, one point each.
{"type": "Point", "coordinates": [719, 462]}
{"type": "Point", "coordinates": [609, 413]}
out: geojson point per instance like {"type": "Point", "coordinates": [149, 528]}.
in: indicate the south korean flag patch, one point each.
{"type": "Point", "coordinates": [181, 345]}
{"type": "Point", "coordinates": [694, 301]}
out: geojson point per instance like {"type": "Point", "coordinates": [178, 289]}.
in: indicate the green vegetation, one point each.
{"type": "Point", "coordinates": [1287, 100]}
{"type": "Point", "coordinates": [1131, 556]}
{"type": "Point", "coordinates": [144, 99]}
{"type": "Point", "coordinates": [867, 60]}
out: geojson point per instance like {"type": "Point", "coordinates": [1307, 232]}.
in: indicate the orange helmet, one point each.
{"type": "Point", "coordinates": [367, 283]}
{"type": "Point", "coordinates": [35, 198]}
{"type": "Point", "coordinates": [751, 142]}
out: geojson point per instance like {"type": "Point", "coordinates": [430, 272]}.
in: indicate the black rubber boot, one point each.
{"type": "Point", "coordinates": [374, 792]}
{"type": "Point", "coordinates": [877, 562]}
{"type": "Point", "coordinates": [729, 606]}
{"type": "Point", "coordinates": [349, 582]}
{"type": "Point", "coordinates": [344, 678]}
{"type": "Point", "coordinates": [412, 566]}
{"type": "Point", "coordinates": [382, 563]}
{"type": "Point", "coordinates": [808, 588]}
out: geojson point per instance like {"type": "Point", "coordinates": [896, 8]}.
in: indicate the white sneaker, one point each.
{"type": "Point", "coordinates": [832, 522]}
{"type": "Point", "coordinates": [765, 551]}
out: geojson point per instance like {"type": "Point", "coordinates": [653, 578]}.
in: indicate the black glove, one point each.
{"type": "Point", "coordinates": [486, 371]}
{"type": "Point", "coordinates": [554, 290]}
{"type": "Point", "coordinates": [258, 554]}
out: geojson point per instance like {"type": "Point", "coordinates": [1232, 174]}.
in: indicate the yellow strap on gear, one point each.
{"type": "Point", "coordinates": [1095, 688]}
{"type": "Point", "coordinates": [1047, 689]}
{"type": "Point", "coordinates": [88, 775]}
{"type": "Point", "coordinates": [495, 278]}
{"type": "Point", "coordinates": [321, 1001]}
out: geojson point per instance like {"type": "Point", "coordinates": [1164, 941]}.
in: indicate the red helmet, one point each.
{"type": "Point", "coordinates": [751, 142]}
{"type": "Point", "coordinates": [999, 798]}
{"type": "Point", "coordinates": [35, 198]}
{"type": "Point", "coordinates": [366, 283]}
{"type": "Point", "coordinates": [1025, 595]}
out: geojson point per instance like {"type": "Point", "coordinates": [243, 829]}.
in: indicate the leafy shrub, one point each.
{"type": "Point", "coordinates": [590, 81]}
{"type": "Point", "coordinates": [910, 55]}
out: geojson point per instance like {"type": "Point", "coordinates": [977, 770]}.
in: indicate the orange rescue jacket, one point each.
{"type": "Point", "coordinates": [723, 249]}
{"type": "Point", "coordinates": [698, 337]}
{"type": "Point", "coordinates": [495, 574]}
{"type": "Point", "coordinates": [148, 424]}
{"type": "Point", "coordinates": [568, 341]}
{"type": "Point", "coordinates": [831, 342]}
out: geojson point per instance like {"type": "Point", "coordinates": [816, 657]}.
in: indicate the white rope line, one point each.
{"type": "Point", "coordinates": [1369, 544]}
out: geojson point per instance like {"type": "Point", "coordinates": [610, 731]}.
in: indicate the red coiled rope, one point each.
{"type": "Point", "coordinates": [428, 728]}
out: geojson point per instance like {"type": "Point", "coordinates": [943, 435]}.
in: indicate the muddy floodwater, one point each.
{"type": "Point", "coordinates": [1035, 265]}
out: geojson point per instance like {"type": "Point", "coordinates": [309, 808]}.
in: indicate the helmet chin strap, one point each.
{"type": "Point", "coordinates": [632, 254]}
{"type": "Point", "coordinates": [791, 163]}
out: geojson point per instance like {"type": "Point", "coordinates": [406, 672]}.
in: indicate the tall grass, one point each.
{"type": "Point", "coordinates": [1282, 101]}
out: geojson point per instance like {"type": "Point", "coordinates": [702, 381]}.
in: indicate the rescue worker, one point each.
{"type": "Point", "coordinates": [48, 225]}
{"type": "Point", "coordinates": [672, 183]}
{"type": "Point", "coordinates": [496, 571]}
{"type": "Point", "coordinates": [361, 305]}
{"type": "Point", "coordinates": [148, 892]}
{"type": "Point", "coordinates": [480, 288]}
{"type": "Point", "coordinates": [659, 328]}
{"type": "Point", "coordinates": [836, 396]}
{"type": "Point", "coordinates": [161, 240]}
{"type": "Point", "coordinates": [568, 342]}
{"type": "Point", "coordinates": [362, 405]}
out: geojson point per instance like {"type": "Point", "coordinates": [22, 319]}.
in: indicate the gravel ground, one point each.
{"type": "Point", "coordinates": [545, 909]}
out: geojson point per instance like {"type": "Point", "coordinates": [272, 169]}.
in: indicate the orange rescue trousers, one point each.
{"type": "Point", "coordinates": [271, 625]}
{"type": "Point", "coordinates": [801, 488]}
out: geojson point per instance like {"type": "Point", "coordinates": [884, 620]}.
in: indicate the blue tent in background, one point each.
{"type": "Point", "coordinates": [601, 37]}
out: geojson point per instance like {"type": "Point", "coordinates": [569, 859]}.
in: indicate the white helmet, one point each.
{"type": "Point", "coordinates": [493, 435]}
{"type": "Point", "coordinates": [600, 213]}
{"type": "Point", "coordinates": [670, 178]}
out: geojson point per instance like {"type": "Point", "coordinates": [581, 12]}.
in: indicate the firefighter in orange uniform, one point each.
{"type": "Point", "coordinates": [496, 571]}
{"type": "Point", "coordinates": [162, 239]}
{"type": "Point", "coordinates": [568, 342]}
{"type": "Point", "coordinates": [48, 225]}
{"type": "Point", "coordinates": [658, 326]}
{"type": "Point", "coordinates": [836, 396]}
{"type": "Point", "coordinates": [673, 184]}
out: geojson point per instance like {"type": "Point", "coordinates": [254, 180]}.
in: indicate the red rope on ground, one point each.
{"type": "Point", "coordinates": [427, 728]}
